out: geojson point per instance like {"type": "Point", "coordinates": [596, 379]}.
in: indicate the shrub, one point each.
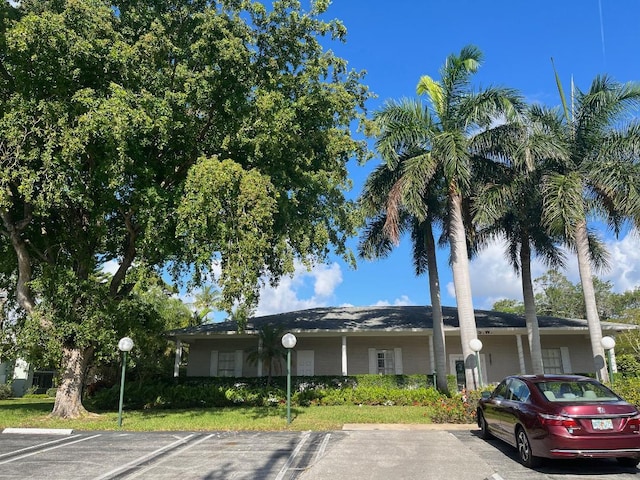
{"type": "Point", "coordinates": [51, 392]}
{"type": "Point", "coordinates": [459, 408]}
{"type": "Point", "coordinates": [5, 391]}
{"type": "Point", "coordinates": [629, 389]}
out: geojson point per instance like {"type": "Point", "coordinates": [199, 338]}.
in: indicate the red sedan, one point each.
{"type": "Point", "coordinates": [561, 416]}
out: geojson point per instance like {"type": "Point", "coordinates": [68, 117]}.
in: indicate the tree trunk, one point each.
{"type": "Point", "coordinates": [462, 284]}
{"type": "Point", "coordinates": [439, 344]}
{"type": "Point", "coordinates": [593, 319]}
{"type": "Point", "coordinates": [69, 395]}
{"type": "Point", "coordinates": [533, 330]}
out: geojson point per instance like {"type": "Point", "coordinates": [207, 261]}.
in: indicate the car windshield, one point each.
{"type": "Point", "coordinates": [576, 391]}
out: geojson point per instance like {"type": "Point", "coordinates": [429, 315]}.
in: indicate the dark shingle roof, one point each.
{"type": "Point", "coordinates": [399, 319]}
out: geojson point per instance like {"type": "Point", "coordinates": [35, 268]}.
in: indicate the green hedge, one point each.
{"type": "Point", "coordinates": [308, 391]}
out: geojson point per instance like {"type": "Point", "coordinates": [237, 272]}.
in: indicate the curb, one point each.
{"type": "Point", "coordinates": [39, 431]}
{"type": "Point", "coordinates": [495, 476]}
{"type": "Point", "coordinates": [411, 426]}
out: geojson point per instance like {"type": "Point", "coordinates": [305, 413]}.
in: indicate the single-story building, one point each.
{"type": "Point", "coordinates": [389, 340]}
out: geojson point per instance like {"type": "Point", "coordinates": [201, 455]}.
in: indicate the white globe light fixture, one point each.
{"type": "Point", "coordinates": [124, 345]}
{"type": "Point", "coordinates": [289, 341]}
{"type": "Point", "coordinates": [476, 346]}
{"type": "Point", "coordinates": [609, 343]}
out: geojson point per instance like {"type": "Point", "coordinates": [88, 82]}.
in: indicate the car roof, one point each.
{"type": "Point", "coordinates": [552, 378]}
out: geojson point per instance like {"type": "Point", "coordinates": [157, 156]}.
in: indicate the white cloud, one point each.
{"type": "Point", "coordinates": [403, 300]}
{"type": "Point", "coordinates": [624, 263]}
{"type": "Point", "coordinates": [493, 278]}
{"type": "Point", "coordinates": [294, 293]}
{"type": "Point", "coordinates": [110, 267]}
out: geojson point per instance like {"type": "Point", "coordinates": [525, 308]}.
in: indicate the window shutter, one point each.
{"type": "Point", "coordinates": [213, 364]}
{"type": "Point", "coordinates": [398, 360]}
{"type": "Point", "coordinates": [566, 360]}
{"type": "Point", "coordinates": [237, 365]}
{"type": "Point", "coordinates": [373, 361]}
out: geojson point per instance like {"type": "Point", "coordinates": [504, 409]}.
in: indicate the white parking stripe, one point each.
{"type": "Point", "coordinates": [167, 457]}
{"type": "Point", "coordinates": [293, 455]}
{"type": "Point", "coordinates": [20, 457]}
{"type": "Point", "coordinates": [143, 459]}
{"type": "Point", "coordinates": [321, 448]}
{"type": "Point", "coordinates": [39, 445]}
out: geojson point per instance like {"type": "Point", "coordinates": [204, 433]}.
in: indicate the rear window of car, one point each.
{"type": "Point", "coordinates": [576, 391]}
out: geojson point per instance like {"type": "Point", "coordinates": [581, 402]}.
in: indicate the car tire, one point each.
{"type": "Point", "coordinates": [484, 428]}
{"type": "Point", "coordinates": [524, 449]}
{"type": "Point", "coordinates": [628, 461]}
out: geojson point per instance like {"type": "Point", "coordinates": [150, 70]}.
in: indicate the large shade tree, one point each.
{"type": "Point", "coordinates": [208, 137]}
{"type": "Point", "coordinates": [400, 141]}
{"type": "Point", "coordinates": [600, 178]}
{"type": "Point", "coordinates": [461, 116]}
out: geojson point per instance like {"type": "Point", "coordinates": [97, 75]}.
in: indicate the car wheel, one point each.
{"type": "Point", "coordinates": [628, 461]}
{"type": "Point", "coordinates": [484, 428]}
{"type": "Point", "coordinates": [524, 450]}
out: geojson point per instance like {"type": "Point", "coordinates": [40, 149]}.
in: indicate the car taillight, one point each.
{"type": "Point", "coordinates": [634, 422]}
{"type": "Point", "coordinates": [558, 421]}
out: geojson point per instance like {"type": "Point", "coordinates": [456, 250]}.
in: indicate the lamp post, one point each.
{"type": "Point", "coordinates": [124, 345]}
{"type": "Point", "coordinates": [608, 343]}
{"type": "Point", "coordinates": [289, 341]}
{"type": "Point", "coordinates": [476, 346]}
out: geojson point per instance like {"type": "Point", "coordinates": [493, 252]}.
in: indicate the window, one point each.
{"type": "Point", "coordinates": [385, 362]}
{"type": "Point", "coordinates": [552, 360]}
{"type": "Point", "coordinates": [226, 364]}
{"type": "Point", "coordinates": [518, 391]}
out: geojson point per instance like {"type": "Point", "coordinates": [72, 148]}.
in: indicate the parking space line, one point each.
{"type": "Point", "coordinates": [293, 455]}
{"type": "Point", "coordinates": [20, 457]}
{"type": "Point", "coordinates": [34, 447]}
{"type": "Point", "coordinates": [144, 458]}
{"type": "Point", "coordinates": [321, 448]}
{"type": "Point", "coordinates": [167, 457]}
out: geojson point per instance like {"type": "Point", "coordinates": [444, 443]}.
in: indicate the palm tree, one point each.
{"type": "Point", "coordinates": [400, 125]}
{"type": "Point", "coordinates": [599, 177]}
{"type": "Point", "coordinates": [509, 205]}
{"type": "Point", "coordinates": [458, 115]}
{"type": "Point", "coordinates": [270, 348]}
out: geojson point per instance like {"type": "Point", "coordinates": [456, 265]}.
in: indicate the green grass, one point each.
{"type": "Point", "coordinates": [34, 413]}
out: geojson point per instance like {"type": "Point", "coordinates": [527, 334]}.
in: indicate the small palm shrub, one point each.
{"type": "Point", "coordinates": [5, 391]}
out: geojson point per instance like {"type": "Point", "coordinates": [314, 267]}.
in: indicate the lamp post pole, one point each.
{"type": "Point", "coordinates": [608, 343]}
{"type": "Point", "coordinates": [289, 341]}
{"type": "Point", "coordinates": [476, 346]}
{"type": "Point", "coordinates": [124, 345]}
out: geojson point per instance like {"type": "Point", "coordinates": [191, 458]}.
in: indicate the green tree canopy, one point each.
{"type": "Point", "coordinates": [123, 123]}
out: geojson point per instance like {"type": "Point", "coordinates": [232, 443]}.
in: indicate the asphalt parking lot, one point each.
{"type": "Point", "coordinates": [358, 453]}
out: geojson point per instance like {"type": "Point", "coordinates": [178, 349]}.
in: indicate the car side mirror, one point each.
{"type": "Point", "coordinates": [485, 395]}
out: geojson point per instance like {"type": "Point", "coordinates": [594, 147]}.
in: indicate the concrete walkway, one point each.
{"type": "Point", "coordinates": [383, 451]}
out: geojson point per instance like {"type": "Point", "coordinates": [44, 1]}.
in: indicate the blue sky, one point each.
{"type": "Point", "coordinates": [397, 42]}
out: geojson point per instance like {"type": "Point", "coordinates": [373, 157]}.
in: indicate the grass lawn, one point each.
{"type": "Point", "coordinates": [33, 412]}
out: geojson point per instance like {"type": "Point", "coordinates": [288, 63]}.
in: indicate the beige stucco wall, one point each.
{"type": "Point", "coordinates": [500, 353]}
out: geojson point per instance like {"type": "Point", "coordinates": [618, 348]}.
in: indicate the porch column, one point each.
{"type": "Point", "coordinates": [176, 363]}
{"type": "Point", "coordinates": [523, 369]}
{"type": "Point", "coordinates": [432, 356]}
{"type": "Point", "coordinates": [259, 355]}
{"type": "Point", "coordinates": [344, 356]}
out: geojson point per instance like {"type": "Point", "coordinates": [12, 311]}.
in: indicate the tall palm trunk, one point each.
{"type": "Point", "coordinates": [533, 330]}
{"type": "Point", "coordinates": [462, 284]}
{"type": "Point", "coordinates": [593, 319]}
{"type": "Point", "coordinates": [439, 345]}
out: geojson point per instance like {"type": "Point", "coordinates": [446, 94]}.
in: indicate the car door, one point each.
{"type": "Point", "coordinates": [514, 407]}
{"type": "Point", "coordinates": [493, 409]}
